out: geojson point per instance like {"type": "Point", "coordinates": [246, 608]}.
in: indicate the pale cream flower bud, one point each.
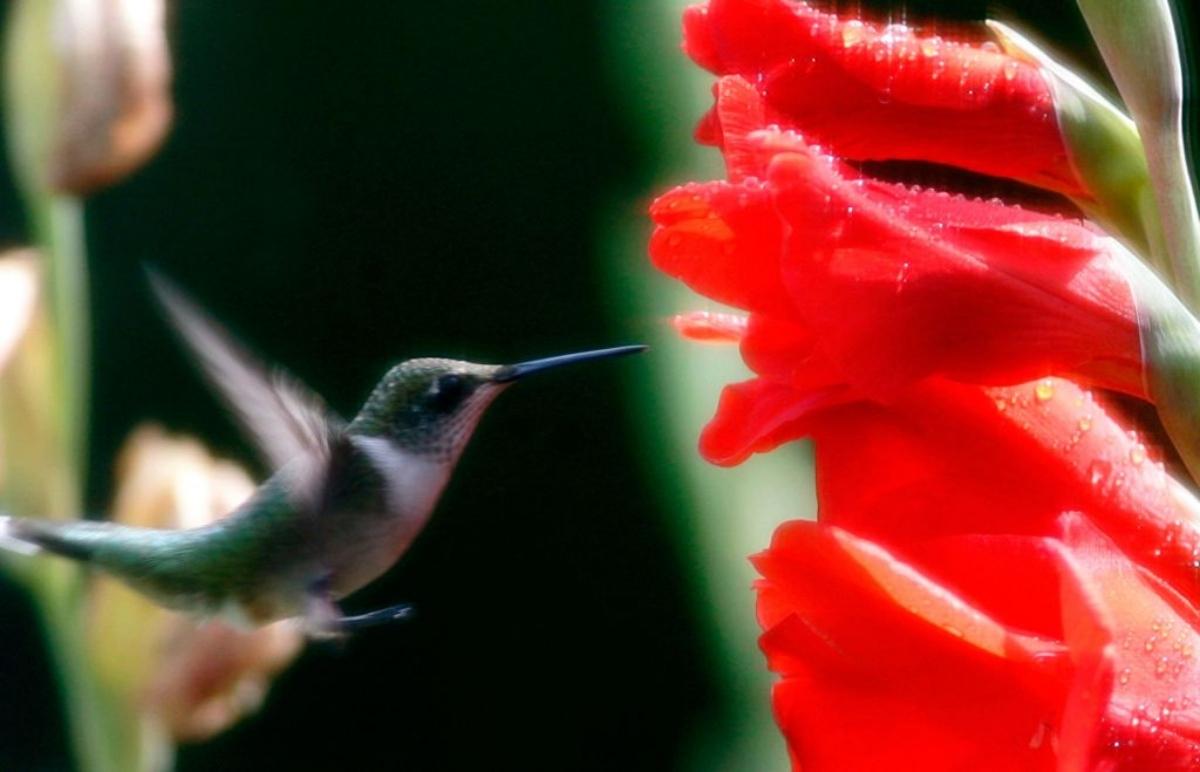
{"type": "Point", "coordinates": [89, 84]}
{"type": "Point", "coordinates": [18, 295]}
{"type": "Point", "coordinates": [18, 301]}
{"type": "Point", "coordinates": [189, 678]}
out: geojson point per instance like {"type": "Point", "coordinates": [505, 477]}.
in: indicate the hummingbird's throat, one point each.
{"type": "Point", "coordinates": [442, 438]}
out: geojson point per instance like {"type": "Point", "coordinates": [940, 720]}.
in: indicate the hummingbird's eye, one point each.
{"type": "Point", "coordinates": [447, 392]}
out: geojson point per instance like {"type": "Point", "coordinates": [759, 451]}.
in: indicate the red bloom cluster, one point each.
{"type": "Point", "coordinates": [1002, 576]}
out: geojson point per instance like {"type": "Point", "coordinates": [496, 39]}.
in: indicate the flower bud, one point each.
{"type": "Point", "coordinates": [189, 679]}
{"type": "Point", "coordinates": [1104, 149]}
{"type": "Point", "coordinates": [35, 481]}
{"type": "Point", "coordinates": [18, 299]}
{"type": "Point", "coordinates": [18, 294]}
{"type": "Point", "coordinates": [89, 89]}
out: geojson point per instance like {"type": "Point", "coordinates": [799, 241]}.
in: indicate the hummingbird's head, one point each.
{"type": "Point", "coordinates": [431, 406]}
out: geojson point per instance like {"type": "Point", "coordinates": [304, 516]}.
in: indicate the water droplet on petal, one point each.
{"type": "Point", "coordinates": [1099, 471]}
{"type": "Point", "coordinates": [1044, 391]}
{"type": "Point", "coordinates": [852, 33]}
{"type": "Point", "coordinates": [1160, 666]}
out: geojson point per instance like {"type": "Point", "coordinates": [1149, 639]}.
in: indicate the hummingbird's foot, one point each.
{"type": "Point", "coordinates": [399, 613]}
{"type": "Point", "coordinates": [323, 619]}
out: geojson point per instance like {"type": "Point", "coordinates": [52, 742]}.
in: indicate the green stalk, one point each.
{"type": "Point", "coordinates": [1138, 41]}
{"type": "Point", "coordinates": [58, 233]}
{"type": "Point", "coordinates": [44, 396]}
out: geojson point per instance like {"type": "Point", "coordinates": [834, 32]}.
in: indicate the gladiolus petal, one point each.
{"type": "Point", "coordinates": [881, 93]}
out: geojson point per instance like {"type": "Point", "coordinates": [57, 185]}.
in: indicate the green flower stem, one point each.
{"type": "Point", "coordinates": [60, 234]}
{"type": "Point", "coordinates": [1138, 42]}
{"type": "Point", "coordinates": [44, 395]}
{"type": "Point", "coordinates": [1168, 163]}
{"type": "Point", "coordinates": [103, 730]}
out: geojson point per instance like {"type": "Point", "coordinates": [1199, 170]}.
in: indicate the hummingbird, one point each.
{"type": "Point", "coordinates": [344, 500]}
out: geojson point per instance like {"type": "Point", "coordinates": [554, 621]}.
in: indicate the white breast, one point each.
{"type": "Point", "coordinates": [413, 485]}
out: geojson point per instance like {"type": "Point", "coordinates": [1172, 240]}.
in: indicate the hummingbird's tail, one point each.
{"type": "Point", "coordinates": [28, 536]}
{"type": "Point", "coordinates": [160, 564]}
{"type": "Point", "coordinates": [13, 543]}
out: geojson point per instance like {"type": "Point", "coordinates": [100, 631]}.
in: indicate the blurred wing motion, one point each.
{"type": "Point", "coordinates": [284, 419]}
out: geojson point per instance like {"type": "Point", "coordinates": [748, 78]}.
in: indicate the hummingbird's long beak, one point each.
{"type": "Point", "coordinates": [509, 373]}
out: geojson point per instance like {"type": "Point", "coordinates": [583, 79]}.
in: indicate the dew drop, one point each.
{"type": "Point", "coordinates": [1085, 423]}
{"type": "Point", "coordinates": [852, 33]}
{"type": "Point", "coordinates": [1044, 391]}
{"type": "Point", "coordinates": [1161, 665]}
{"type": "Point", "coordinates": [1137, 454]}
{"type": "Point", "coordinates": [1124, 677]}
{"type": "Point", "coordinates": [1099, 471]}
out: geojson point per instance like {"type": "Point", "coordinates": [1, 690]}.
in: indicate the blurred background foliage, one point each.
{"type": "Point", "coordinates": [355, 183]}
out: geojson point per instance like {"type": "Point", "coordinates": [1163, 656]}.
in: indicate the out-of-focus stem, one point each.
{"type": "Point", "coordinates": [48, 388]}
{"type": "Point", "coordinates": [101, 742]}
{"type": "Point", "coordinates": [103, 733]}
{"type": "Point", "coordinates": [58, 226]}
{"type": "Point", "coordinates": [721, 516]}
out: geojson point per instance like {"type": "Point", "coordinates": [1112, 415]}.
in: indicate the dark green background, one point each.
{"type": "Point", "coordinates": [349, 184]}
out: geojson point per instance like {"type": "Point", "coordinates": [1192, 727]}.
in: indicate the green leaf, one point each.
{"type": "Point", "coordinates": [1138, 42]}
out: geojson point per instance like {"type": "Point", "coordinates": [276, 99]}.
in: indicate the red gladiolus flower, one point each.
{"type": "Point", "coordinates": [961, 578]}
{"type": "Point", "coordinates": [1087, 663]}
{"type": "Point", "coordinates": [885, 93]}
{"type": "Point", "coordinates": [937, 284]}
{"type": "Point", "coordinates": [1002, 575]}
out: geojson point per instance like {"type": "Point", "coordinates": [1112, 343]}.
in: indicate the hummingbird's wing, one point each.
{"type": "Point", "coordinates": [282, 417]}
